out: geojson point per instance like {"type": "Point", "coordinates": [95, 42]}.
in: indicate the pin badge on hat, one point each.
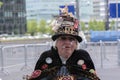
{"type": "Point", "coordinates": [48, 60]}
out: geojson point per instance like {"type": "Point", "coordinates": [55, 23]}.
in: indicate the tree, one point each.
{"type": "Point", "coordinates": [42, 26]}
{"type": "Point", "coordinates": [112, 25]}
{"type": "Point", "coordinates": [96, 25]}
{"type": "Point", "coordinates": [32, 27]}
{"type": "Point", "coordinates": [100, 25]}
{"type": "Point", "coordinates": [49, 29]}
{"type": "Point", "coordinates": [82, 25]}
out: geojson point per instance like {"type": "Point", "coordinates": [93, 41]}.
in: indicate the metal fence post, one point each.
{"type": "Point", "coordinates": [25, 58]}
{"type": "Point", "coordinates": [118, 45]}
{"type": "Point", "coordinates": [1, 59]}
{"type": "Point", "coordinates": [2, 71]}
{"type": "Point", "coordinates": [101, 52]}
{"type": "Point", "coordinates": [104, 51]}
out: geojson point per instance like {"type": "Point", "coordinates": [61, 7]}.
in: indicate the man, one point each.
{"type": "Point", "coordinates": [64, 53]}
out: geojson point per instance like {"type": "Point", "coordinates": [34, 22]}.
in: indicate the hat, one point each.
{"type": "Point", "coordinates": [66, 24]}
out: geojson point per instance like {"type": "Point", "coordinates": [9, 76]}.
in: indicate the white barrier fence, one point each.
{"type": "Point", "coordinates": [18, 57]}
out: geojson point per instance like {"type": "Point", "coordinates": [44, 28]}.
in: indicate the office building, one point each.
{"type": "Point", "coordinates": [44, 9]}
{"type": "Point", "coordinates": [12, 17]}
{"type": "Point", "coordinates": [99, 11]}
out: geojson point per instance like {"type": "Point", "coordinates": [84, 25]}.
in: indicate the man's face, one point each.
{"type": "Point", "coordinates": [66, 45]}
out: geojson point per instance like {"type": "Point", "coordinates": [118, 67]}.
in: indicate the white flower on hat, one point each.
{"type": "Point", "coordinates": [80, 62]}
{"type": "Point", "coordinates": [56, 23]}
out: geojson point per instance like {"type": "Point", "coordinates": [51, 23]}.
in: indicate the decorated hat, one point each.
{"type": "Point", "coordinates": [66, 24]}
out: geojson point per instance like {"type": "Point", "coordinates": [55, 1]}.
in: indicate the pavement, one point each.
{"type": "Point", "coordinates": [15, 75]}
{"type": "Point", "coordinates": [109, 74]}
{"type": "Point", "coordinates": [104, 74]}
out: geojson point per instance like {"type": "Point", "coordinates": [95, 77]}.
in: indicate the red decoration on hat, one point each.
{"type": "Point", "coordinates": [35, 74]}
{"type": "Point", "coordinates": [84, 67]}
{"type": "Point", "coordinates": [45, 66]}
{"type": "Point", "coordinates": [76, 24]}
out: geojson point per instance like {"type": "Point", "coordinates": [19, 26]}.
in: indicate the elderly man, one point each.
{"type": "Point", "coordinates": [64, 53]}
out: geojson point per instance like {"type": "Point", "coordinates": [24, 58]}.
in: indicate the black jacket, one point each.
{"type": "Point", "coordinates": [50, 59]}
{"type": "Point", "coordinates": [73, 60]}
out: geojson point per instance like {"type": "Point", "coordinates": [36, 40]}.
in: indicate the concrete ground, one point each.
{"type": "Point", "coordinates": [104, 74]}
{"type": "Point", "coordinates": [109, 74]}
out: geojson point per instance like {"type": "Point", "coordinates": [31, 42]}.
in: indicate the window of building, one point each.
{"type": "Point", "coordinates": [7, 14]}
{"type": "Point", "coordinates": [19, 1]}
{"type": "Point", "coordinates": [9, 20]}
{"type": "Point", "coordinates": [21, 14]}
{"type": "Point", "coordinates": [1, 14]}
{"type": "Point", "coordinates": [1, 20]}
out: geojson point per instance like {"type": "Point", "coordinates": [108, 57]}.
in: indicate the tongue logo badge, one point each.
{"type": "Point", "coordinates": [66, 78]}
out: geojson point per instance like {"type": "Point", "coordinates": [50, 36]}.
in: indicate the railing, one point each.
{"type": "Point", "coordinates": [19, 57]}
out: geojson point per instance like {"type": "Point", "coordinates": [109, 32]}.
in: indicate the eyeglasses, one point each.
{"type": "Point", "coordinates": [63, 38]}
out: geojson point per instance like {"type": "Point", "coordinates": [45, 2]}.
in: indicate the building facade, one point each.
{"type": "Point", "coordinates": [100, 8]}
{"type": "Point", "coordinates": [12, 17]}
{"type": "Point", "coordinates": [44, 9]}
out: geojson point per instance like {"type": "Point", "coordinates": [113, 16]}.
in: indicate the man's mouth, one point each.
{"type": "Point", "coordinates": [66, 47]}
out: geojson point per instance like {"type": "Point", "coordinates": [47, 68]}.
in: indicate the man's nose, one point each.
{"type": "Point", "coordinates": [67, 41]}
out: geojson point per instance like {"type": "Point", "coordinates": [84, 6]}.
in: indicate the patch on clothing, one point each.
{"type": "Point", "coordinates": [36, 73]}
{"type": "Point", "coordinates": [44, 66]}
{"type": "Point", "coordinates": [48, 60]}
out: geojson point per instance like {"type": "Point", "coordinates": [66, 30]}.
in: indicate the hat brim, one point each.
{"type": "Point", "coordinates": [54, 37]}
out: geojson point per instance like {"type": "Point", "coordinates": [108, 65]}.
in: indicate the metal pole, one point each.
{"type": "Point", "coordinates": [101, 52]}
{"type": "Point", "coordinates": [2, 71]}
{"type": "Point", "coordinates": [107, 17]}
{"type": "Point", "coordinates": [77, 11]}
{"type": "Point", "coordinates": [116, 14]}
{"type": "Point", "coordinates": [1, 56]}
{"type": "Point", "coordinates": [118, 51]}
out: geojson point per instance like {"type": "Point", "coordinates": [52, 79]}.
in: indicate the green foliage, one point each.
{"type": "Point", "coordinates": [82, 25]}
{"type": "Point", "coordinates": [96, 25]}
{"type": "Point", "coordinates": [42, 26]}
{"type": "Point", "coordinates": [112, 25]}
{"type": "Point", "coordinates": [32, 27]}
{"type": "Point", "coordinates": [100, 25]}
{"type": "Point", "coordinates": [49, 30]}
{"type": "Point", "coordinates": [1, 3]}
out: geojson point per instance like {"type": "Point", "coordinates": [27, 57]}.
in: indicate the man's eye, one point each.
{"type": "Point", "coordinates": [72, 39]}
{"type": "Point", "coordinates": [63, 38]}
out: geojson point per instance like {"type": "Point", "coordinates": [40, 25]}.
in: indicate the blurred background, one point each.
{"type": "Point", "coordinates": [25, 32]}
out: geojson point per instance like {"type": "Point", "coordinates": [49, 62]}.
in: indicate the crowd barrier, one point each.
{"type": "Point", "coordinates": [19, 57]}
